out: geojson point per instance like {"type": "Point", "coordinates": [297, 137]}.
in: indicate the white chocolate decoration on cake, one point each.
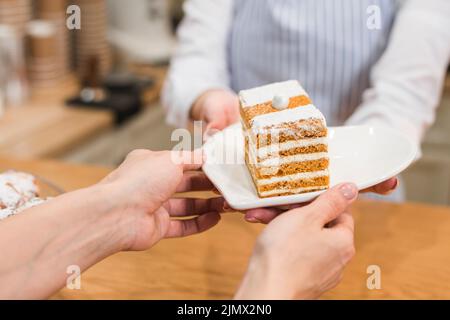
{"type": "Point", "coordinates": [280, 102]}
{"type": "Point", "coordinates": [286, 144]}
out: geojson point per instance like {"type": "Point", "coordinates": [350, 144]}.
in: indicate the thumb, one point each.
{"type": "Point", "coordinates": [333, 203]}
{"type": "Point", "coordinates": [189, 160]}
{"type": "Point", "coordinates": [217, 118]}
{"type": "Point", "coordinates": [210, 130]}
{"type": "Point", "coordinates": [218, 123]}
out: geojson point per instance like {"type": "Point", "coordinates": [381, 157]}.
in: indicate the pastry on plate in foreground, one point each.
{"type": "Point", "coordinates": [286, 148]}
{"type": "Point", "coordinates": [18, 191]}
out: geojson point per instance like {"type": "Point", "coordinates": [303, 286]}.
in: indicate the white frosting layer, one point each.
{"type": "Point", "coordinates": [259, 123]}
{"type": "Point", "coordinates": [268, 171]}
{"type": "Point", "coordinates": [277, 161]}
{"type": "Point", "coordinates": [275, 148]}
{"type": "Point", "coordinates": [293, 177]}
{"type": "Point", "coordinates": [298, 190]}
{"type": "Point", "coordinates": [273, 162]}
{"type": "Point", "coordinates": [252, 97]}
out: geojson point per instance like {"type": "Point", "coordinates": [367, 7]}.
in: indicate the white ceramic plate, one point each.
{"type": "Point", "coordinates": [360, 154]}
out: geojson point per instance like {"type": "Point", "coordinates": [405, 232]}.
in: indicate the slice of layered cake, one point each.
{"type": "Point", "coordinates": [286, 148]}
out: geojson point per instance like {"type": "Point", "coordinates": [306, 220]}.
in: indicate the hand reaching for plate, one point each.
{"type": "Point", "coordinates": [302, 253]}
{"type": "Point", "coordinates": [143, 187]}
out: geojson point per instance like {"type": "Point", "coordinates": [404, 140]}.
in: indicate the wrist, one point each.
{"type": "Point", "coordinates": [107, 215]}
{"type": "Point", "coordinates": [256, 284]}
{"type": "Point", "coordinates": [265, 281]}
{"type": "Point", "coordinates": [78, 228]}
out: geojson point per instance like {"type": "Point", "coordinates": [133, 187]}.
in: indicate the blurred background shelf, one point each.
{"type": "Point", "coordinates": [45, 127]}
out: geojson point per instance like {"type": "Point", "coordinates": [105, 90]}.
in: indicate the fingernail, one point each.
{"type": "Point", "coordinates": [252, 220]}
{"type": "Point", "coordinates": [392, 188]}
{"type": "Point", "coordinates": [206, 137]}
{"type": "Point", "coordinates": [209, 132]}
{"type": "Point", "coordinates": [226, 207]}
{"type": "Point", "coordinates": [395, 184]}
{"type": "Point", "coordinates": [349, 191]}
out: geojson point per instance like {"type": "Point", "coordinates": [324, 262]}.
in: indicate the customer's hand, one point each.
{"type": "Point", "coordinates": [131, 209]}
{"type": "Point", "coordinates": [302, 253]}
{"type": "Point", "coordinates": [142, 187]}
{"type": "Point", "coordinates": [217, 109]}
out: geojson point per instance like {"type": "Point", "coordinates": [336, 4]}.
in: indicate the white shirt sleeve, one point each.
{"type": "Point", "coordinates": [407, 81]}
{"type": "Point", "coordinates": [200, 61]}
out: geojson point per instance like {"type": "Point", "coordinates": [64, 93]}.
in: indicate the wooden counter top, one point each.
{"type": "Point", "coordinates": [45, 127]}
{"type": "Point", "coordinates": [409, 242]}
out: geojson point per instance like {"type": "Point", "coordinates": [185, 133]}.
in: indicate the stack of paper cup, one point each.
{"type": "Point", "coordinates": [44, 70]}
{"type": "Point", "coordinates": [16, 13]}
{"type": "Point", "coordinates": [91, 41]}
{"type": "Point", "coordinates": [55, 11]}
{"type": "Point", "coordinates": [13, 84]}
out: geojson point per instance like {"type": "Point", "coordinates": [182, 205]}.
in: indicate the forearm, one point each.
{"type": "Point", "coordinates": [37, 246]}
